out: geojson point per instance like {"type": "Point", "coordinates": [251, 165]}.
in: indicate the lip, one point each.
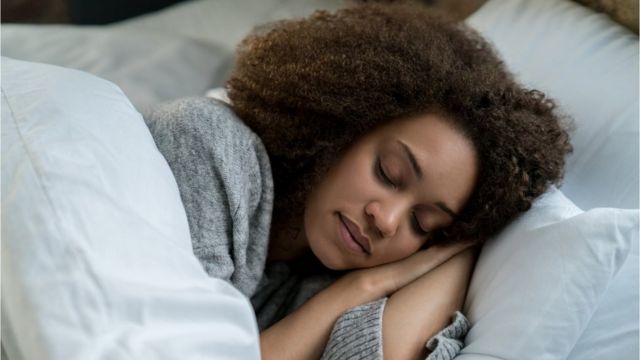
{"type": "Point", "coordinates": [355, 234]}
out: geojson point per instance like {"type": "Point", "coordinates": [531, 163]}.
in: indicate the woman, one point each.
{"type": "Point", "coordinates": [352, 141]}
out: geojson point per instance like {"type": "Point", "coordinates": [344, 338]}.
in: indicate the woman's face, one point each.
{"type": "Point", "coordinates": [389, 191]}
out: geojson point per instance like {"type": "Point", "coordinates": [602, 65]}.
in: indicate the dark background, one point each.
{"type": "Point", "coordinates": [81, 12]}
{"type": "Point", "coordinates": [93, 12]}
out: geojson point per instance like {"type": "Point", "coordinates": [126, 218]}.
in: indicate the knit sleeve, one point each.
{"type": "Point", "coordinates": [224, 177]}
{"type": "Point", "coordinates": [449, 341]}
{"type": "Point", "coordinates": [358, 335]}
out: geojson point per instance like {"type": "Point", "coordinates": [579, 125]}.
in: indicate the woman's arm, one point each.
{"type": "Point", "coordinates": [304, 333]}
{"type": "Point", "coordinates": [419, 310]}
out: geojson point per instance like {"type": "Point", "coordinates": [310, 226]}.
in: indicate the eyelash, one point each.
{"type": "Point", "coordinates": [382, 175]}
{"type": "Point", "coordinates": [416, 226]}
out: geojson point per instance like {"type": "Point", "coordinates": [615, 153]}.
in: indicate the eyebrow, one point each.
{"type": "Point", "coordinates": [418, 173]}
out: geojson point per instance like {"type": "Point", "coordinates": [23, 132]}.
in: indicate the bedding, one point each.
{"type": "Point", "coordinates": [176, 52]}
{"type": "Point", "coordinates": [148, 67]}
{"type": "Point", "coordinates": [536, 285]}
{"type": "Point", "coordinates": [613, 329]}
{"type": "Point", "coordinates": [96, 255]}
{"type": "Point", "coordinates": [589, 65]}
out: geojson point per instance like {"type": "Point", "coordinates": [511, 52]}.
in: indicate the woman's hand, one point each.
{"type": "Point", "coordinates": [383, 280]}
{"type": "Point", "coordinates": [311, 324]}
{"type": "Point", "coordinates": [413, 314]}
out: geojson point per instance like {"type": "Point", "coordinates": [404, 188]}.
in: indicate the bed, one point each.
{"type": "Point", "coordinates": [96, 255]}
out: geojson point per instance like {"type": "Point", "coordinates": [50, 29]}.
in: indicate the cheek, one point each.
{"type": "Point", "coordinates": [399, 249]}
{"type": "Point", "coordinates": [356, 178]}
{"type": "Point", "coordinates": [347, 186]}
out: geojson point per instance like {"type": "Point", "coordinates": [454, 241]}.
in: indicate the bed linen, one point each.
{"type": "Point", "coordinates": [589, 65]}
{"type": "Point", "coordinates": [536, 285]}
{"type": "Point", "coordinates": [149, 67]}
{"type": "Point", "coordinates": [96, 255]}
{"type": "Point", "coordinates": [175, 52]}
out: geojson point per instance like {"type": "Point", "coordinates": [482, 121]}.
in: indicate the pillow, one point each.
{"type": "Point", "coordinates": [96, 254]}
{"type": "Point", "coordinates": [589, 64]}
{"type": "Point", "coordinates": [222, 23]}
{"type": "Point", "coordinates": [613, 330]}
{"type": "Point", "coordinates": [176, 52]}
{"type": "Point", "coordinates": [149, 67]}
{"type": "Point", "coordinates": [537, 284]}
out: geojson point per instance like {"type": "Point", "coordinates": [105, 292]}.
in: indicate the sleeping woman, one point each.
{"type": "Point", "coordinates": [344, 185]}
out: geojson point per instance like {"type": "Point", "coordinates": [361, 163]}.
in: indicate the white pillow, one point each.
{"type": "Point", "coordinates": [149, 67]}
{"type": "Point", "coordinates": [589, 64]}
{"type": "Point", "coordinates": [537, 284]}
{"type": "Point", "coordinates": [613, 330]}
{"type": "Point", "coordinates": [178, 51]}
{"type": "Point", "coordinates": [223, 23]}
{"type": "Point", "coordinates": [96, 254]}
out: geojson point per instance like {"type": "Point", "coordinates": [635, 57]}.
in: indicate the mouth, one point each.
{"type": "Point", "coordinates": [352, 236]}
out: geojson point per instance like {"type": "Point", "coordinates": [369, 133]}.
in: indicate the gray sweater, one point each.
{"type": "Point", "coordinates": [224, 177]}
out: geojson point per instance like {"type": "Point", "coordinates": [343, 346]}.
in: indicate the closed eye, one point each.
{"type": "Point", "coordinates": [382, 175]}
{"type": "Point", "coordinates": [415, 224]}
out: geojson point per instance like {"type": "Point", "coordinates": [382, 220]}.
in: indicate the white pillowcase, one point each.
{"type": "Point", "coordinates": [149, 67]}
{"type": "Point", "coordinates": [96, 253]}
{"type": "Point", "coordinates": [589, 64]}
{"type": "Point", "coordinates": [223, 23]}
{"type": "Point", "coordinates": [179, 51]}
{"type": "Point", "coordinates": [613, 330]}
{"type": "Point", "coordinates": [537, 284]}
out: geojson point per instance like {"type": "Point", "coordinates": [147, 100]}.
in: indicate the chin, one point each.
{"type": "Point", "coordinates": [328, 260]}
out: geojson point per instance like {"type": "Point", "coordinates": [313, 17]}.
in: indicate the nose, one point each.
{"type": "Point", "coordinates": [385, 217]}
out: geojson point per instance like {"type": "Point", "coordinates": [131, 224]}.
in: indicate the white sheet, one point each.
{"type": "Point", "coordinates": [96, 255]}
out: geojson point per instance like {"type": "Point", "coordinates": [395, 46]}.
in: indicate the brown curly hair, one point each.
{"type": "Point", "coordinates": [311, 87]}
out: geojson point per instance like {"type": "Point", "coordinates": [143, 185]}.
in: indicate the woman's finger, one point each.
{"type": "Point", "coordinates": [402, 272]}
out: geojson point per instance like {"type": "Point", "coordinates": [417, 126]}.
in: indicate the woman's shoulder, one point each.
{"type": "Point", "coordinates": [198, 117]}
{"type": "Point", "coordinates": [204, 133]}
{"type": "Point", "coordinates": [223, 173]}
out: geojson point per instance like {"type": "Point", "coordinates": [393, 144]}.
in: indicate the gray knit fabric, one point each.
{"type": "Point", "coordinates": [449, 341]}
{"type": "Point", "coordinates": [224, 177]}
{"type": "Point", "coordinates": [283, 289]}
{"type": "Point", "coordinates": [225, 183]}
{"type": "Point", "coordinates": [357, 334]}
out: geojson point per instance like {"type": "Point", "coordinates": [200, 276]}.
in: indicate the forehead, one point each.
{"type": "Point", "coordinates": [446, 156]}
{"type": "Point", "coordinates": [430, 131]}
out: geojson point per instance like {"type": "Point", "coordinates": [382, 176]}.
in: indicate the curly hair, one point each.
{"type": "Point", "coordinates": [311, 87]}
